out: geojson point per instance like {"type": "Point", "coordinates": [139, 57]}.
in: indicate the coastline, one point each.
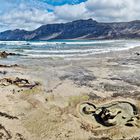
{"type": "Point", "coordinates": [49, 108]}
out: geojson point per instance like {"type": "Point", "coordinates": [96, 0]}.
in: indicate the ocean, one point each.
{"type": "Point", "coordinates": [65, 48]}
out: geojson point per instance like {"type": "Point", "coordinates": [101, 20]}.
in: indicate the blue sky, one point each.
{"type": "Point", "coordinates": [30, 14]}
{"type": "Point", "coordinates": [62, 2]}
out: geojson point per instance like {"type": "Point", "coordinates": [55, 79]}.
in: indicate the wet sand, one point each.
{"type": "Point", "coordinates": [43, 102]}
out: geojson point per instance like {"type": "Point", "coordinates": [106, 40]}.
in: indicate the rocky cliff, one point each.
{"type": "Point", "coordinates": [80, 29]}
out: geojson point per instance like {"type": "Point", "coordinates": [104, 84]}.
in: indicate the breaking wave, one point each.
{"type": "Point", "coordinates": [43, 49]}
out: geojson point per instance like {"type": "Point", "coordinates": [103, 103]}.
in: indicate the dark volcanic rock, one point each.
{"type": "Point", "coordinates": [5, 54]}
{"type": "Point", "coordinates": [82, 29]}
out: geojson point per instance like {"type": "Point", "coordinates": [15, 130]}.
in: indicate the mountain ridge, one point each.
{"type": "Point", "coordinates": [79, 29]}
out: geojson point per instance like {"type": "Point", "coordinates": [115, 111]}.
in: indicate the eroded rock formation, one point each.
{"type": "Point", "coordinates": [112, 114]}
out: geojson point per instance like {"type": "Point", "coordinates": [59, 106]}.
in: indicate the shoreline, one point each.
{"type": "Point", "coordinates": [43, 99]}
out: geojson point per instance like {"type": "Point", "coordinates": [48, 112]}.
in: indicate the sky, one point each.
{"type": "Point", "coordinates": [31, 14]}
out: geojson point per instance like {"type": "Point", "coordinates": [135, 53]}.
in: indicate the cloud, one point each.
{"type": "Point", "coordinates": [26, 17]}
{"type": "Point", "coordinates": [34, 13]}
{"type": "Point", "coordinates": [71, 12]}
{"type": "Point", "coordinates": [114, 10]}
{"type": "Point", "coordinates": [101, 10]}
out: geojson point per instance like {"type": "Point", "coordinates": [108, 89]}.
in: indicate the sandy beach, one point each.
{"type": "Point", "coordinates": [42, 99]}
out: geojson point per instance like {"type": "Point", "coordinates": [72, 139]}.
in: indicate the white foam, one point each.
{"type": "Point", "coordinates": [13, 43]}
{"type": "Point", "coordinates": [63, 51]}
{"type": "Point", "coordinates": [61, 55]}
{"type": "Point", "coordinates": [70, 55]}
{"type": "Point", "coordinates": [70, 51]}
{"type": "Point", "coordinates": [43, 43]}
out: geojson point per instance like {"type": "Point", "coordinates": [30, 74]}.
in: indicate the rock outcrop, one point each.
{"type": "Point", "coordinates": [5, 54]}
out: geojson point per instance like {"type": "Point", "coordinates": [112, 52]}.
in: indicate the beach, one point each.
{"type": "Point", "coordinates": [40, 98]}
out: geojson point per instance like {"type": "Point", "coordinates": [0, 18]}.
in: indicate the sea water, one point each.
{"type": "Point", "coordinates": [65, 48]}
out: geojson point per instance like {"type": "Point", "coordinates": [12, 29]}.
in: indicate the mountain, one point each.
{"type": "Point", "coordinates": [80, 29]}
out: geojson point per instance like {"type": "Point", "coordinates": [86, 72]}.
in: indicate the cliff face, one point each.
{"type": "Point", "coordinates": [80, 29]}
